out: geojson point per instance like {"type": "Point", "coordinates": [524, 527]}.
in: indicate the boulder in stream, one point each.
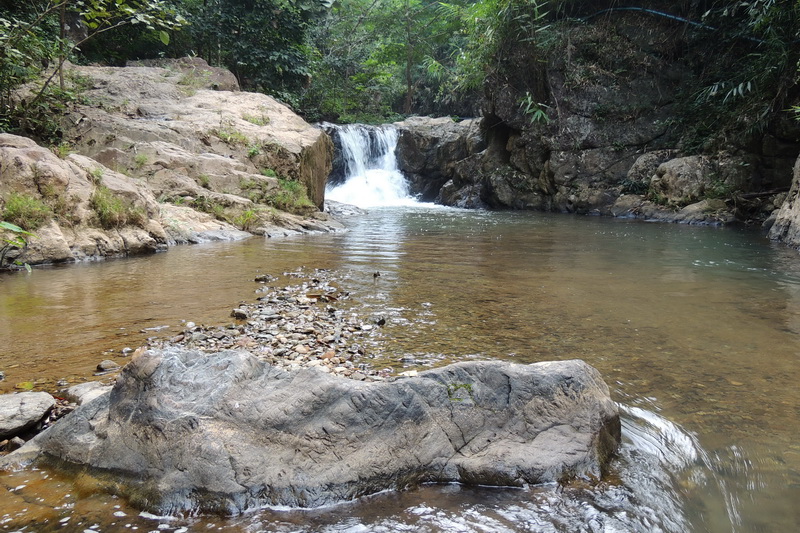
{"type": "Point", "coordinates": [23, 411]}
{"type": "Point", "coordinates": [223, 432]}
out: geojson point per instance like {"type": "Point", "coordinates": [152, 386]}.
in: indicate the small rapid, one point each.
{"type": "Point", "coordinates": [368, 175]}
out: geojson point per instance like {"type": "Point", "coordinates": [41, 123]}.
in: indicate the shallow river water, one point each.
{"type": "Point", "coordinates": [694, 329]}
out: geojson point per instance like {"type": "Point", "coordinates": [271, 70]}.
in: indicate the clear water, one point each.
{"type": "Point", "coordinates": [694, 329]}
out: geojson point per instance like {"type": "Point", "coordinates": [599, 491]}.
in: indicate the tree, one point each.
{"type": "Point", "coordinates": [263, 42]}
{"type": "Point", "coordinates": [35, 35]}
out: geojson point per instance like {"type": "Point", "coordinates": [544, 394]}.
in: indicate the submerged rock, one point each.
{"type": "Point", "coordinates": [225, 432]}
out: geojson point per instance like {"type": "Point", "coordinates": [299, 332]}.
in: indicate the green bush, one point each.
{"type": "Point", "coordinates": [290, 196]}
{"type": "Point", "coordinates": [25, 211]}
{"type": "Point", "coordinates": [247, 221]}
{"type": "Point", "coordinates": [114, 211]}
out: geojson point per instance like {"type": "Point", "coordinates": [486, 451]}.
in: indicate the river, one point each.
{"type": "Point", "coordinates": [695, 330]}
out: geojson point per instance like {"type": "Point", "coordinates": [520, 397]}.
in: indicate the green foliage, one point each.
{"type": "Point", "coordinates": [718, 189]}
{"type": "Point", "coordinates": [34, 35]}
{"type": "Point", "coordinates": [535, 111]}
{"type": "Point", "coordinates": [753, 73]}
{"type": "Point", "coordinates": [375, 60]}
{"type": "Point", "coordinates": [263, 42]}
{"type": "Point", "coordinates": [247, 220]}
{"type": "Point", "coordinates": [11, 237]}
{"type": "Point", "coordinates": [140, 160]}
{"type": "Point", "coordinates": [113, 211]}
{"type": "Point", "coordinates": [25, 211]}
{"type": "Point", "coordinates": [258, 120]}
{"type": "Point", "coordinates": [210, 206]}
{"type": "Point", "coordinates": [633, 186]}
{"type": "Point", "coordinates": [96, 175]}
{"type": "Point", "coordinates": [459, 392]}
{"type": "Point", "coordinates": [62, 150]}
{"type": "Point", "coordinates": [230, 135]}
{"type": "Point", "coordinates": [193, 80]}
{"type": "Point", "coordinates": [290, 196]}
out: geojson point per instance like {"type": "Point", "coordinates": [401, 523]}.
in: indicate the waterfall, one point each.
{"type": "Point", "coordinates": [365, 168]}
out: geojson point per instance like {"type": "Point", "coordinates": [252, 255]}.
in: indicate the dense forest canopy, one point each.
{"type": "Point", "coordinates": [372, 60]}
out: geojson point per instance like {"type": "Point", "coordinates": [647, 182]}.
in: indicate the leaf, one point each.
{"type": "Point", "coordinates": [164, 36]}
{"type": "Point", "coordinates": [25, 385]}
{"type": "Point", "coordinates": [11, 227]}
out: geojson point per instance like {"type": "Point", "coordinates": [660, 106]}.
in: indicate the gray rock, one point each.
{"type": "Point", "coordinates": [240, 314]}
{"type": "Point", "coordinates": [786, 227]}
{"type": "Point", "coordinates": [86, 392]}
{"type": "Point", "coordinates": [20, 412]}
{"type": "Point", "coordinates": [107, 365]}
{"type": "Point", "coordinates": [224, 432]}
{"type": "Point", "coordinates": [428, 150]}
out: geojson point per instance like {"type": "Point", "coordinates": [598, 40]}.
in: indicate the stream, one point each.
{"type": "Point", "coordinates": [694, 329]}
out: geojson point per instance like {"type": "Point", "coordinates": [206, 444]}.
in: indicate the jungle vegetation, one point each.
{"type": "Point", "coordinates": [376, 60]}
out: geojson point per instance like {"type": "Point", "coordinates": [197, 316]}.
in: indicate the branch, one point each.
{"type": "Point", "coordinates": [63, 59]}
{"type": "Point", "coordinates": [37, 20]}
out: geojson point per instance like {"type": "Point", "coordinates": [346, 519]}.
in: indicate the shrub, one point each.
{"type": "Point", "coordinates": [25, 211]}
{"type": "Point", "coordinates": [210, 206]}
{"type": "Point", "coordinates": [258, 120]}
{"type": "Point", "coordinates": [247, 220]}
{"type": "Point", "coordinates": [114, 211]}
{"type": "Point", "coordinates": [290, 196]}
{"type": "Point", "coordinates": [139, 161]}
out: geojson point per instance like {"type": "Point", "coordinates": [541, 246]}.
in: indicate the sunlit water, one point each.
{"type": "Point", "coordinates": [694, 329]}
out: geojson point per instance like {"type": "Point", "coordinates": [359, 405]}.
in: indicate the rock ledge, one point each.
{"type": "Point", "coordinates": [187, 431]}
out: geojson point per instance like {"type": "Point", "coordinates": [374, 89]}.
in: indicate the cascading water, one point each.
{"type": "Point", "coordinates": [367, 173]}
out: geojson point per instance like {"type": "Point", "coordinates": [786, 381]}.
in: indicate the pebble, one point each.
{"type": "Point", "coordinates": [290, 326]}
{"type": "Point", "coordinates": [240, 314]}
{"type": "Point", "coordinates": [107, 365]}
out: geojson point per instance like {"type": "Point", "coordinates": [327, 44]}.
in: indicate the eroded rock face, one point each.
{"type": "Point", "coordinates": [224, 432]}
{"type": "Point", "coordinates": [176, 128]}
{"type": "Point", "coordinates": [175, 147]}
{"type": "Point", "coordinates": [67, 186]}
{"type": "Point", "coordinates": [430, 149]}
{"type": "Point", "coordinates": [786, 228]}
{"type": "Point", "coordinates": [579, 128]}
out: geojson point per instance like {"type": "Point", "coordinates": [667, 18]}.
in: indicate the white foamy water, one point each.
{"type": "Point", "coordinates": [372, 178]}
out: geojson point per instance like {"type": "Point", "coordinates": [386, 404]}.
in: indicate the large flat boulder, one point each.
{"type": "Point", "coordinates": [224, 432]}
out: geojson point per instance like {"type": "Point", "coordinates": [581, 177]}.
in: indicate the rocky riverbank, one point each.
{"type": "Point", "coordinates": [303, 323]}
{"type": "Point", "coordinates": [459, 164]}
{"type": "Point", "coordinates": [260, 412]}
{"type": "Point", "coordinates": [299, 319]}
{"type": "Point", "coordinates": [154, 156]}
{"type": "Point", "coordinates": [603, 123]}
